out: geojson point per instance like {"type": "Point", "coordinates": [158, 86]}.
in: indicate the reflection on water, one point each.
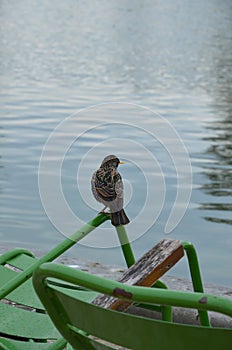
{"type": "Point", "coordinates": [219, 172]}
{"type": "Point", "coordinates": [173, 57]}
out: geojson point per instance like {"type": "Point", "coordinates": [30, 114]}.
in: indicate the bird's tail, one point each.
{"type": "Point", "coordinates": [119, 218]}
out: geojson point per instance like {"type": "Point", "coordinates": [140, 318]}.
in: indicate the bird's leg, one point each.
{"type": "Point", "coordinates": [103, 210]}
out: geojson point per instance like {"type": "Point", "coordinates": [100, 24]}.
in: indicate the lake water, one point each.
{"type": "Point", "coordinates": [148, 67]}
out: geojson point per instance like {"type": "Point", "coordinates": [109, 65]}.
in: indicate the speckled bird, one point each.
{"type": "Point", "coordinates": [107, 188]}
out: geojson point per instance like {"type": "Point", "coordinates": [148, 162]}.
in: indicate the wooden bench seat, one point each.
{"type": "Point", "coordinates": [145, 272]}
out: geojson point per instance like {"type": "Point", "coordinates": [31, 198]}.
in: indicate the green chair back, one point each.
{"type": "Point", "coordinates": [90, 327]}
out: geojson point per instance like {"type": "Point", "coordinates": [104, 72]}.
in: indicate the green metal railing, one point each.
{"type": "Point", "coordinates": [54, 253]}
{"type": "Point", "coordinates": [125, 244]}
{"type": "Point", "coordinates": [195, 273]}
{"type": "Point", "coordinates": [62, 247]}
{"type": "Point", "coordinates": [128, 255]}
{"type": "Point", "coordinates": [142, 294]}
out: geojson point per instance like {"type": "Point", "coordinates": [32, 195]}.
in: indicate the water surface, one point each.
{"type": "Point", "coordinates": [172, 57]}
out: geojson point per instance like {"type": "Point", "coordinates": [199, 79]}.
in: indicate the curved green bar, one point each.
{"type": "Point", "coordinates": [54, 253]}
{"type": "Point", "coordinates": [194, 268]}
{"type": "Point", "coordinates": [13, 253]}
{"type": "Point", "coordinates": [75, 318]}
{"type": "Point", "coordinates": [195, 300]}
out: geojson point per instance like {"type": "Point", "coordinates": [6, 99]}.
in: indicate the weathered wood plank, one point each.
{"type": "Point", "coordinates": [146, 271]}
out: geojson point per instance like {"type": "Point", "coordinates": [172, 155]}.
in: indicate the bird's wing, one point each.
{"type": "Point", "coordinates": [117, 204]}
{"type": "Point", "coordinates": [118, 185]}
{"type": "Point", "coordinates": [105, 185]}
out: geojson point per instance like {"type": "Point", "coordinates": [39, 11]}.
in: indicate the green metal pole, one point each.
{"type": "Point", "coordinates": [128, 253]}
{"type": "Point", "coordinates": [53, 254]}
{"type": "Point", "coordinates": [196, 277]}
{"type": "Point", "coordinates": [125, 245]}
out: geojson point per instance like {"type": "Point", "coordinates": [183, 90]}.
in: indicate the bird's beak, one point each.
{"type": "Point", "coordinates": [121, 162]}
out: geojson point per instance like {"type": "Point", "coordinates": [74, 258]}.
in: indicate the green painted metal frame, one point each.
{"type": "Point", "coordinates": [128, 255]}
{"type": "Point", "coordinates": [13, 283]}
{"type": "Point", "coordinates": [52, 254]}
{"type": "Point", "coordinates": [127, 252]}
{"type": "Point", "coordinates": [196, 277]}
{"type": "Point", "coordinates": [62, 247]}
{"type": "Point", "coordinates": [68, 313]}
{"type": "Point", "coordinates": [203, 301]}
{"type": "Point", "coordinates": [125, 245]}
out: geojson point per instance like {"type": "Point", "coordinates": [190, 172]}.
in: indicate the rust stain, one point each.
{"type": "Point", "coordinates": [118, 292]}
{"type": "Point", "coordinates": [203, 300]}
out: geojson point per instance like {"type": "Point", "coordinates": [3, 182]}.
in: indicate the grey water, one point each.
{"type": "Point", "coordinates": [173, 58]}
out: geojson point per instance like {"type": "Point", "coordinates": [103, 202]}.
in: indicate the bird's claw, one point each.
{"type": "Point", "coordinates": [103, 210]}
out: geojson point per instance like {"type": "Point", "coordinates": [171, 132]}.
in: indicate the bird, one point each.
{"type": "Point", "coordinates": [107, 188]}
